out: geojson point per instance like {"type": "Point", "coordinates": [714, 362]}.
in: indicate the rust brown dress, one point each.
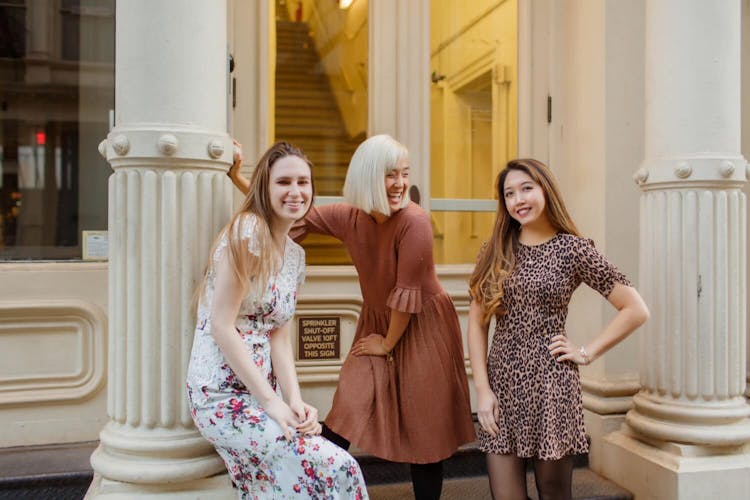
{"type": "Point", "coordinates": [541, 409]}
{"type": "Point", "coordinates": [415, 409]}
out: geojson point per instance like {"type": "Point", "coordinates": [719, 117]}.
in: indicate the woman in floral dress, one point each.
{"type": "Point", "coordinates": [242, 386]}
{"type": "Point", "coordinates": [528, 392]}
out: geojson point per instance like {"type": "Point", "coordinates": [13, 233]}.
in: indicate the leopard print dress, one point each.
{"type": "Point", "coordinates": [541, 409]}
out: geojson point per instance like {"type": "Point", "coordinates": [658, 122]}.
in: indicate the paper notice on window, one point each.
{"type": "Point", "coordinates": [95, 245]}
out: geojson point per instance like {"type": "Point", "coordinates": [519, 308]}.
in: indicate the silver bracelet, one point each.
{"type": "Point", "coordinates": [584, 355]}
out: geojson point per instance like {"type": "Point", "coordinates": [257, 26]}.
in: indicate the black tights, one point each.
{"type": "Point", "coordinates": [426, 479]}
{"type": "Point", "coordinates": [508, 477]}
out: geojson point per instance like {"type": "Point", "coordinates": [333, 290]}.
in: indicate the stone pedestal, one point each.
{"type": "Point", "coordinates": [686, 436]}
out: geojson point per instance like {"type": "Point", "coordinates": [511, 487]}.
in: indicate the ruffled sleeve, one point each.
{"type": "Point", "coordinates": [414, 260]}
{"type": "Point", "coordinates": [595, 270]}
{"type": "Point", "coordinates": [245, 228]}
{"type": "Point", "coordinates": [249, 232]}
{"type": "Point", "coordinates": [405, 299]}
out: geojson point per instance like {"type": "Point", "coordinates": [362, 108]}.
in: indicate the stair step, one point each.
{"type": "Point", "coordinates": [292, 134]}
{"type": "Point", "coordinates": [307, 72]}
{"type": "Point", "coordinates": [291, 26]}
{"type": "Point", "coordinates": [293, 102]}
{"type": "Point", "coordinates": [290, 85]}
{"type": "Point", "coordinates": [313, 94]}
{"type": "Point", "coordinates": [321, 114]}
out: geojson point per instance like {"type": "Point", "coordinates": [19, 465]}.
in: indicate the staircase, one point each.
{"type": "Point", "coordinates": [308, 117]}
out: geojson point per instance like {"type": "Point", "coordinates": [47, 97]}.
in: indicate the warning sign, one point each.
{"type": "Point", "coordinates": [319, 337]}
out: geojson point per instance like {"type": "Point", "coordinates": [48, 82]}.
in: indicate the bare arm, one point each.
{"type": "Point", "coordinates": [228, 295]}
{"type": "Point", "coordinates": [239, 180]}
{"type": "Point", "coordinates": [487, 407]}
{"type": "Point", "coordinates": [375, 344]}
{"type": "Point", "coordinates": [396, 328]}
{"type": "Point", "coordinates": [631, 313]}
{"type": "Point", "coordinates": [282, 360]}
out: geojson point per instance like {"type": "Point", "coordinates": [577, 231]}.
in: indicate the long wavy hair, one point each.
{"type": "Point", "coordinates": [498, 255]}
{"type": "Point", "coordinates": [253, 271]}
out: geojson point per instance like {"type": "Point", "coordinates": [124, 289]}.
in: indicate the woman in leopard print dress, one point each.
{"type": "Point", "coordinates": [528, 390]}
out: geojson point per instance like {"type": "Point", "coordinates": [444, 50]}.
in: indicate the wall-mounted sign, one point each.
{"type": "Point", "coordinates": [95, 245]}
{"type": "Point", "coordinates": [319, 337]}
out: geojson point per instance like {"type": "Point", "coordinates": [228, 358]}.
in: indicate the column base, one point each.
{"type": "Point", "coordinates": [154, 456]}
{"type": "Point", "coordinates": [599, 427]}
{"type": "Point", "coordinates": [209, 488]}
{"type": "Point", "coordinates": [667, 471]}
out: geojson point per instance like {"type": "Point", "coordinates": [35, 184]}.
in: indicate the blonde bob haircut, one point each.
{"type": "Point", "coordinates": [364, 187]}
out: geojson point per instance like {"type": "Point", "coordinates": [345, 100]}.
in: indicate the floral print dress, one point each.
{"type": "Point", "coordinates": [259, 459]}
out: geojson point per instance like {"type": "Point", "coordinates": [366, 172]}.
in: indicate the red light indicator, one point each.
{"type": "Point", "coordinates": [41, 138]}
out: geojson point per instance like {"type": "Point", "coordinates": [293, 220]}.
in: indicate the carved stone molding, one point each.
{"type": "Point", "coordinates": [690, 172]}
{"type": "Point", "coordinates": [120, 144]}
{"type": "Point", "coordinates": [67, 339]}
{"type": "Point", "coordinates": [155, 146]}
{"type": "Point", "coordinates": [168, 144]}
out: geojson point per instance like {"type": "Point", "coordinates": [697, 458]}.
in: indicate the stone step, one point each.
{"type": "Point", "coordinates": [465, 478]}
{"type": "Point", "coordinates": [59, 472]}
{"type": "Point", "coordinates": [587, 485]}
{"type": "Point", "coordinates": [63, 472]}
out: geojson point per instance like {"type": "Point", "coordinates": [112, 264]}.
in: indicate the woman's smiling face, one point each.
{"type": "Point", "coordinates": [290, 188]}
{"type": "Point", "coordinates": [524, 198]}
{"type": "Point", "coordinates": [397, 185]}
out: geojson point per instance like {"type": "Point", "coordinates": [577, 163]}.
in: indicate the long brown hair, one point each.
{"type": "Point", "coordinates": [497, 257]}
{"type": "Point", "coordinates": [251, 270]}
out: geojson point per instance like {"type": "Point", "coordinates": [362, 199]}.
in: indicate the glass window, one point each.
{"type": "Point", "coordinates": [12, 28]}
{"type": "Point", "coordinates": [56, 96]}
{"type": "Point", "coordinates": [473, 119]}
{"type": "Point", "coordinates": [88, 28]}
{"type": "Point", "coordinates": [321, 95]}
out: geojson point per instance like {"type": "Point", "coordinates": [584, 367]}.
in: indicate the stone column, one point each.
{"type": "Point", "coordinates": [398, 84]}
{"type": "Point", "coordinates": [168, 197]}
{"type": "Point", "coordinates": [687, 435]}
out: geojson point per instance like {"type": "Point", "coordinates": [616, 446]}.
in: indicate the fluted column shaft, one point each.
{"type": "Point", "coordinates": [693, 220]}
{"type": "Point", "coordinates": [168, 198]}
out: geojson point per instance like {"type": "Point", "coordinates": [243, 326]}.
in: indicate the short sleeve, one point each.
{"type": "Point", "coordinates": [414, 259]}
{"type": "Point", "coordinates": [595, 270]}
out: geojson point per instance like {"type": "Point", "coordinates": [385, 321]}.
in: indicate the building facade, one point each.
{"type": "Point", "coordinates": [122, 137]}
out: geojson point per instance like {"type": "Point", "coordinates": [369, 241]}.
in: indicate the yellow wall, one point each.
{"type": "Point", "coordinates": [474, 114]}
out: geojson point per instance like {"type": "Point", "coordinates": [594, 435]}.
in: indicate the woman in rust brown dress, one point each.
{"type": "Point", "coordinates": [402, 393]}
{"type": "Point", "coordinates": [528, 391]}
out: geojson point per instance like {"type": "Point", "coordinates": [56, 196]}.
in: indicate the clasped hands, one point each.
{"type": "Point", "coordinates": [372, 345]}
{"type": "Point", "coordinates": [297, 416]}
